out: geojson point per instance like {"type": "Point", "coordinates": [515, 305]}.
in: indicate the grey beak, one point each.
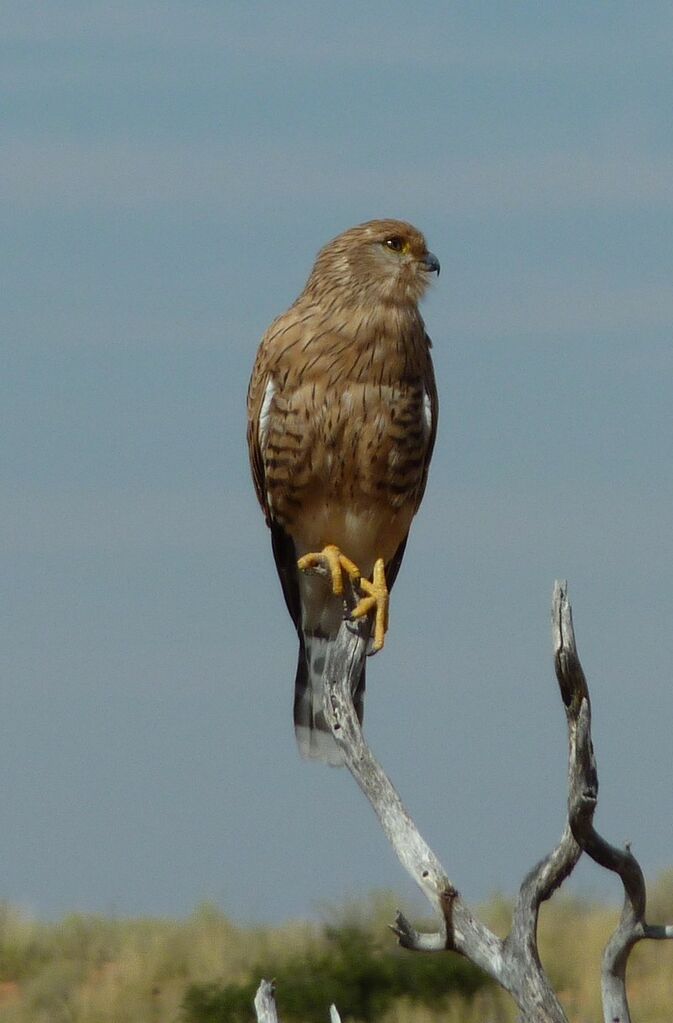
{"type": "Point", "coordinates": [431, 263]}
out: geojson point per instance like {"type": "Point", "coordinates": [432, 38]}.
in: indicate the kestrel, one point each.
{"type": "Point", "coordinates": [342, 416]}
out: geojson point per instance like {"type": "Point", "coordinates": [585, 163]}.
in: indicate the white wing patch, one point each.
{"type": "Point", "coordinates": [265, 413]}
{"type": "Point", "coordinates": [427, 414]}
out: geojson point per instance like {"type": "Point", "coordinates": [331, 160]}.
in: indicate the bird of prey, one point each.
{"type": "Point", "coordinates": [342, 416]}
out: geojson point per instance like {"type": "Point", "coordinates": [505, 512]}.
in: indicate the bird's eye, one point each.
{"type": "Point", "coordinates": [395, 243]}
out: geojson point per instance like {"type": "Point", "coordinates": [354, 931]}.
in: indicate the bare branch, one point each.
{"type": "Point", "coordinates": [265, 1003]}
{"type": "Point", "coordinates": [514, 963]}
{"type": "Point", "coordinates": [551, 872]}
{"type": "Point", "coordinates": [657, 932]}
{"type": "Point", "coordinates": [582, 800]}
{"type": "Point", "coordinates": [415, 940]}
{"type": "Point", "coordinates": [460, 930]}
{"type": "Point", "coordinates": [343, 667]}
{"type": "Point", "coordinates": [548, 875]}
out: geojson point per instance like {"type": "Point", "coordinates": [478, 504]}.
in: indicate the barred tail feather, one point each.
{"type": "Point", "coordinates": [314, 735]}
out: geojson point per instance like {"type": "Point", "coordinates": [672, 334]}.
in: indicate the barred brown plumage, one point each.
{"type": "Point", "coordinates": [342, 417]}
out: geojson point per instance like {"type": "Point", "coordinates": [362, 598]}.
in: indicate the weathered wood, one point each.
{"type": "Point", "coordinates": [459, 929]}
{"type": "Point", "coordinates": [582, 801]}
{"type": "Point", "coordinates": [265, 1005]}
{"type": "Point", "coordinates": [265, 1002]}
{"type": "Point", "coordinates": [513, 962]}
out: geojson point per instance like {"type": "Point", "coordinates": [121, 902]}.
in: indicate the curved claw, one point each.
{"type": "Point", "coordinates": [377, 599]}
{"type": "Point", "coordinates": [335, 563]}
{"type": "Point", "coordinates": [376, 594]}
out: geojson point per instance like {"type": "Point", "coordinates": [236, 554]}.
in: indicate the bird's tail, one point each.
{"type": "Point", "coordinates": [314, 735]}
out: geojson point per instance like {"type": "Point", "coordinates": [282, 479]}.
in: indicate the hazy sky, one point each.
{"type": "Point", "coordinates": [168, 172]}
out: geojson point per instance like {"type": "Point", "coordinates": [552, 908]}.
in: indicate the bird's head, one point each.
{"type": "Point", "coordinates": [385, 261]}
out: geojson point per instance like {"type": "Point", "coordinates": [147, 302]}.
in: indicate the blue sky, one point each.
{"type": "Point", "coordinates": [169, 171]}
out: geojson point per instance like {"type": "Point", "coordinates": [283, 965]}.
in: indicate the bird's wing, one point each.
{"type": "Point", "coordinates": [259, 400]}
{"type": "Point", "coordinates": [393, 566]}
{"type": "Point", "coordinates": [260, 381]}
{"type": "Point", "coordinates": [430, 416]}
{"type": "Point", "coordinates": [285, 556]}
{"type": "Point", "coordinates": [265, 419]}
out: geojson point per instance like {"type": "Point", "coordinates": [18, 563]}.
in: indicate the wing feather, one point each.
{"type": "Point", "coordinates": [256, 391]}
{"type": "Point", "coordinates": [285, 556]}
{"type": "Point", "coordinates": [431, 415]}
{"type": "Point", "coordinates": [431, 409]}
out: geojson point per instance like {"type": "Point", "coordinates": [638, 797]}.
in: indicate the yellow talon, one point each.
{"type": "Point", "coordinates": [376, 592]}
{"type": "Point", "coordinates": [376, 600]}
{"type": "Point", "coordinates": [331, 558]}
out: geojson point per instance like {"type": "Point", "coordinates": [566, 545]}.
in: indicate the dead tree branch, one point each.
{"type": "Point", "coordinates": [265, 1005]}
{"type": "Point", "coordinates": [513, 962]}
{"type": "Point", "coordinates": [582, 801]}
{"type": "Point", "coordinates": [265, 1002]}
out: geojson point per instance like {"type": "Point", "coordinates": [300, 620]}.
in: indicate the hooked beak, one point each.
{"type": "Point", "coordinates": [431, 263]}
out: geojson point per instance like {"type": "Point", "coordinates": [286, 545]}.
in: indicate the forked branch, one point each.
{"type": "Point", "coordinates": [513, 962]}
{"type": "Point", "coordinates": [582, 800]}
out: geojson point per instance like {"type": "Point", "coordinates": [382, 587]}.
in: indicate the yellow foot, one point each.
{"type": "Point", "coordinates": [336, 563]}
{"type": "Point", "coordinates": [377, 601]}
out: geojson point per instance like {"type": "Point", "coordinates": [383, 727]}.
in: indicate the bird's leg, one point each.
{"type": "Point", "coordinates": [335, 563]}
{"type": "Point", "coordinates": [376, 599]}
{"type": "Point", "coordinates": [331, 561]}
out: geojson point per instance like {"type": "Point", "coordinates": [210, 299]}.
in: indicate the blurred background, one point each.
{"type": "Point", "coordinates": [169, 172]}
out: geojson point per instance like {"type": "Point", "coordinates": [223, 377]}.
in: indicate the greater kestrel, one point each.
{"type": "Point", "coordinates": [342, 416]}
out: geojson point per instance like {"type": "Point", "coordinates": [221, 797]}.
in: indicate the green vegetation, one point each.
{"type": "Point", "coordinates": [349, 970]}
{"type": "Point", "coordinates": [205, 969]}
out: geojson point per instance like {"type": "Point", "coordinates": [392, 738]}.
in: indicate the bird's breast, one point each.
{"type": "Point", "coordinates": [346, 438]}
{"type": "Point", "coordinates": [349, 468]}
